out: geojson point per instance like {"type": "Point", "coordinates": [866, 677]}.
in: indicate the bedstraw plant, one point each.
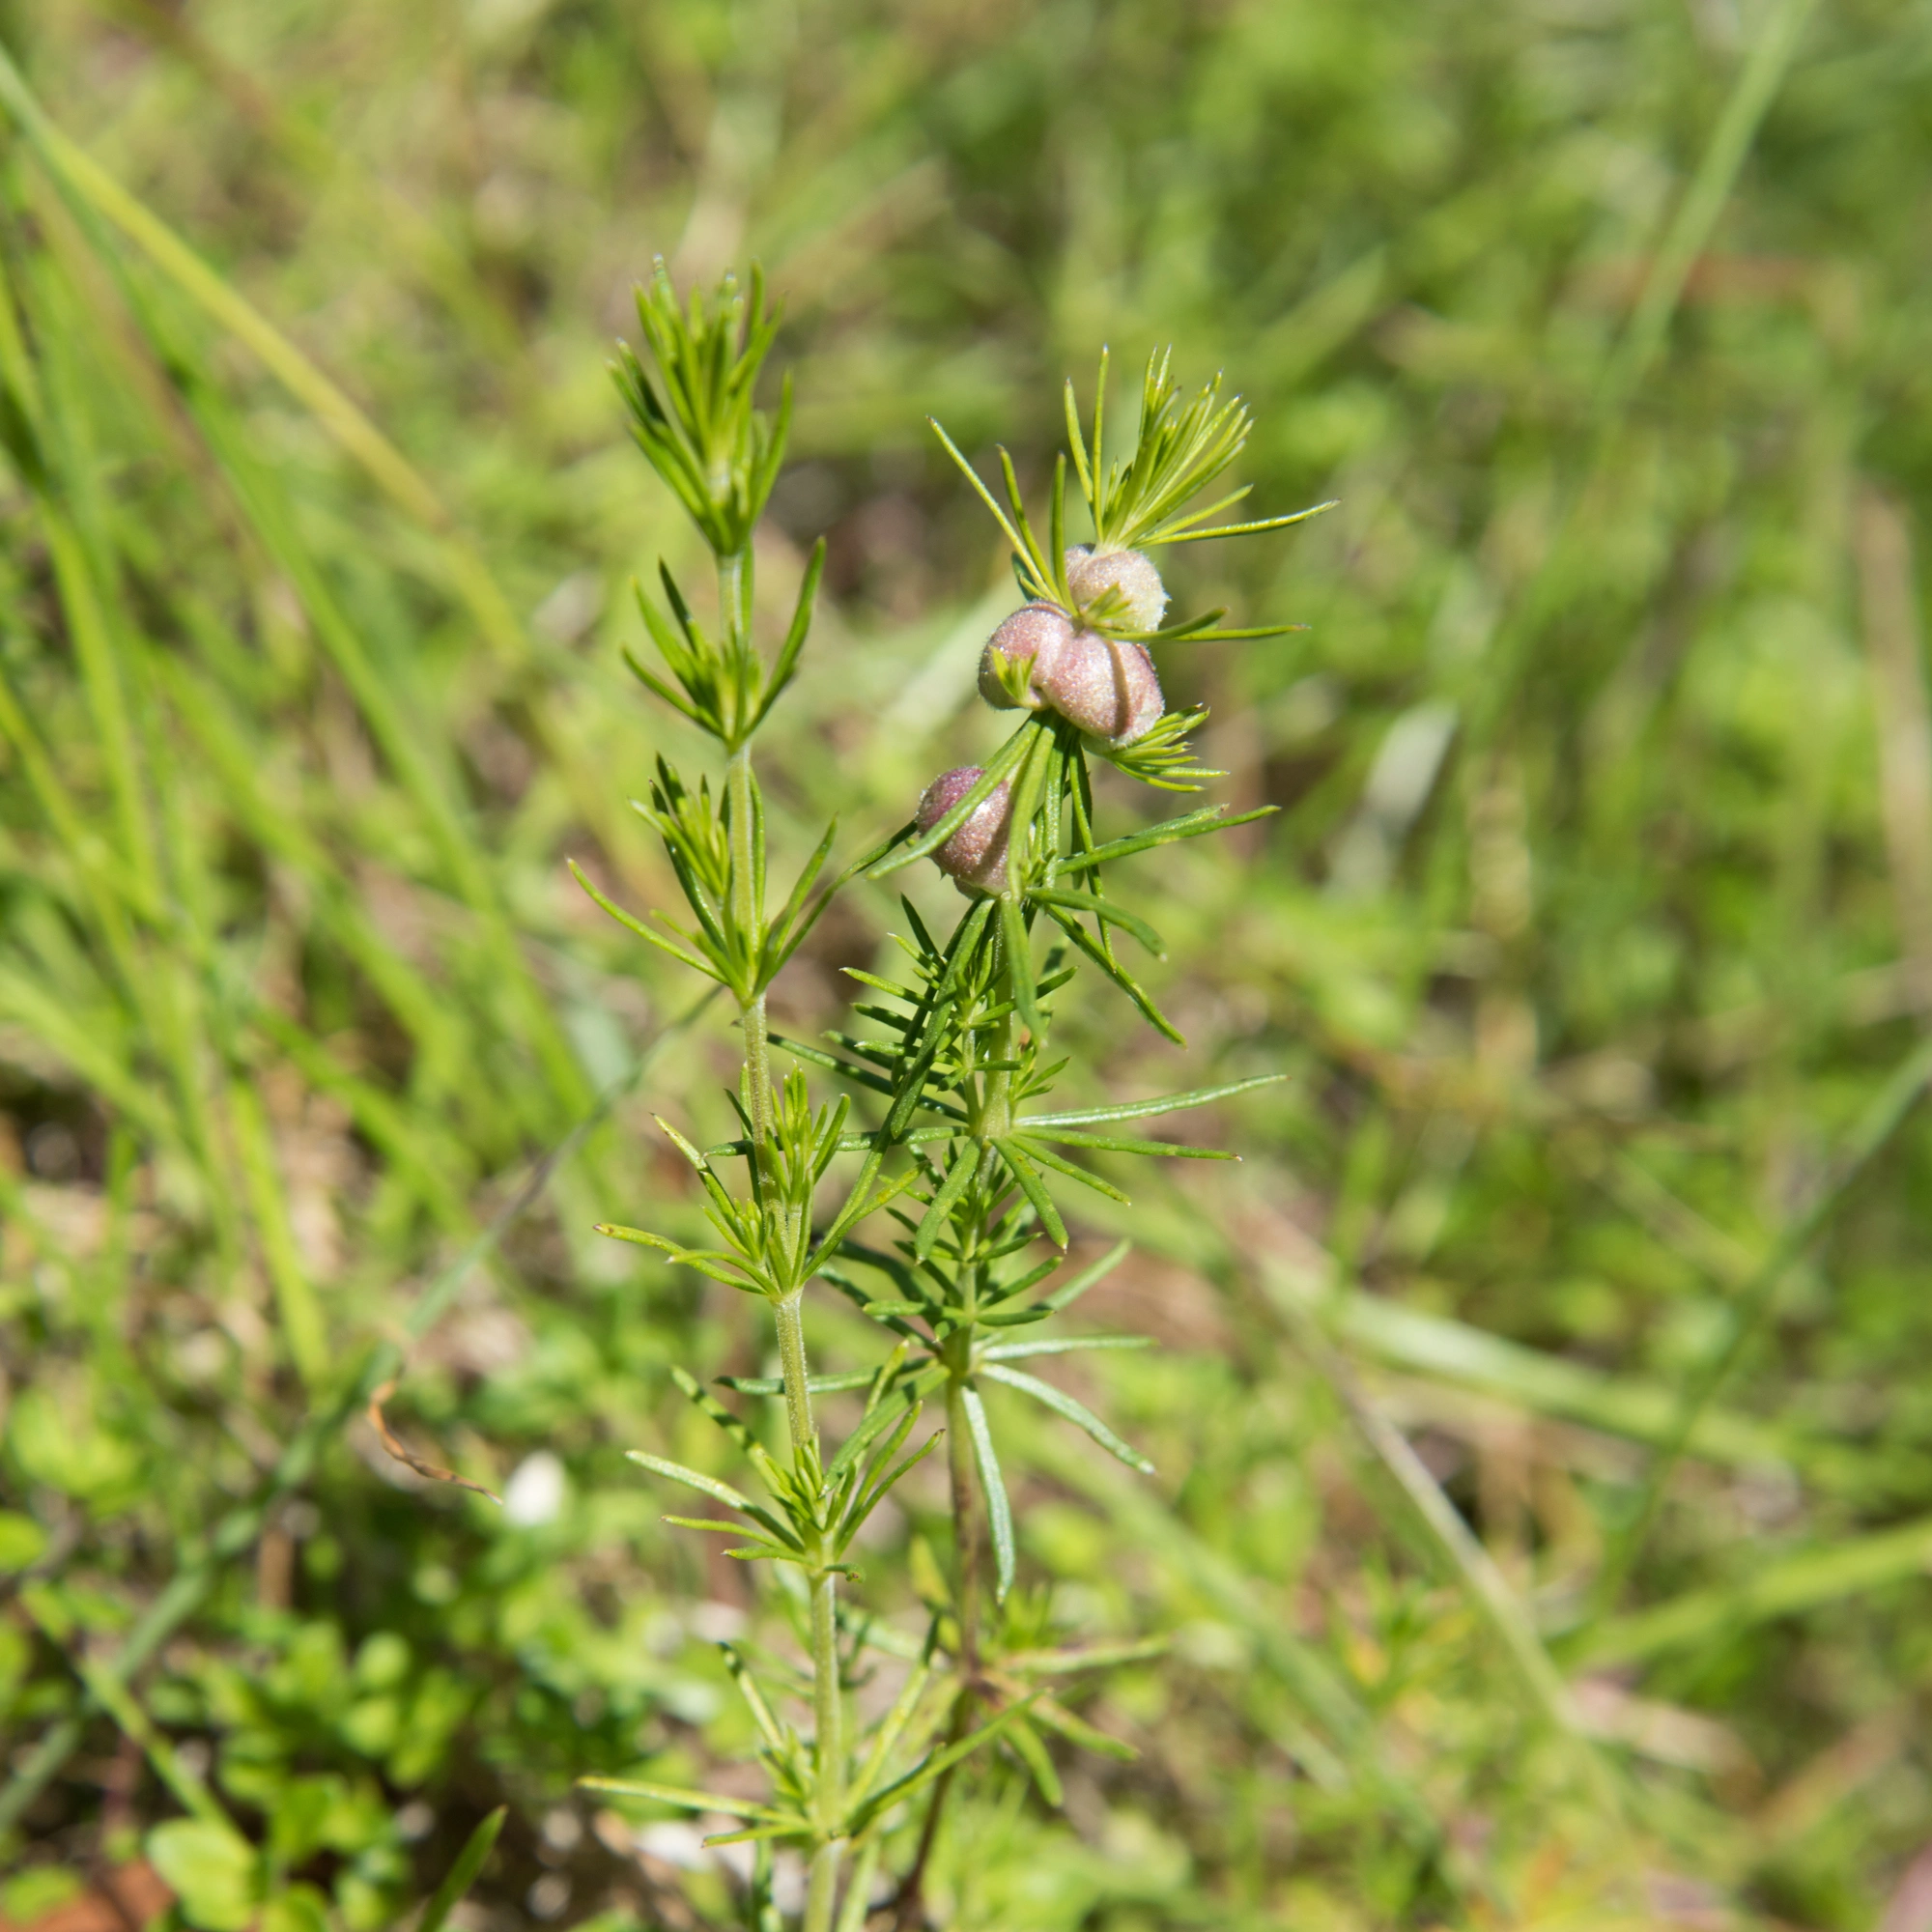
{"type": "Point", "coordinates": [930, 1192]}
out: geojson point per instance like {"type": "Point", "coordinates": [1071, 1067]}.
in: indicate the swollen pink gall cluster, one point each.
{"type": "Point", "coordinates": [1107, 686]}
{"type": "Point", "coordinates": [1042, 660]}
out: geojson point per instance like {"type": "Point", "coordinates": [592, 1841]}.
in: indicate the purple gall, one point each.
{"type": "Point", "coordinates": [1089, 574]}
{"type": "Point", "coordinates": [1106, 686]}
{"type": "Point", "coordinates": [1034, 636]}
{"type": "Point", "coordinates": [974, 857]}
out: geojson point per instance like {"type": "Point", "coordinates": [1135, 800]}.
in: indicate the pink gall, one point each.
{"type": "Point", "coordinates": [1089, 574]}
{"type": "Point", "coordinates": [974, 857]}
{"type": "Point", "coordinates": [1034, 637]}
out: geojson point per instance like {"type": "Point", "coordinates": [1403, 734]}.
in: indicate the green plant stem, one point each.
{"type": "Point", "coordinates": [821, 1897]}
{"type": "Point", "coordinates": [994, 1116]}
{"type": "Point", "coordinates": [827, 1706]}
{"type": "Point", "coordinates": [910, 1911]}
{"type": "Point", "coordinates": [734, 598]}
{"type": "Point", "coordinates": [829, 1748]}
{"type": "Point", "coordinates": [787, 1313]}
{"type": "Point", "coordinates": [828, 1710]}
{"type": "Point", "coordinates": [965, 1525]}
{"type": "Point", "coordinates": [746, 918]}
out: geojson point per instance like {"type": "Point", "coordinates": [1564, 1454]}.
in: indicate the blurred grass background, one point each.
{"type": "Point", "coordinates": [1596, 932]}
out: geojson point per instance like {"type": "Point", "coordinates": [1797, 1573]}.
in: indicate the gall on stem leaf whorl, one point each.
{"type": "Point", "coordinates": [1020, 653]}
{"type": "Point", "coordinates": [1038, 660]}
{"type": "Point", "coordinates": [1090, 573]}
{"type": "Point", "coordinates": [1107, 686]}
{"type": "Point", "coordinates": [974, 857]}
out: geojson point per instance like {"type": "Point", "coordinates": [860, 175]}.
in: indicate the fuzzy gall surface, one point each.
{"type": "Point", "coordinates": [1106, 686]}
{"type": "Point", "coordinates": [1037, 634]}
{"type": "Point", "coordinates": [974, 857]}
{"type": "Point", "coordinates": [1090, 573]}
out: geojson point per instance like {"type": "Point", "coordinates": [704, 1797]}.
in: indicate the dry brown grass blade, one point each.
{"type": "Point", "coordinates": [432, 1471]}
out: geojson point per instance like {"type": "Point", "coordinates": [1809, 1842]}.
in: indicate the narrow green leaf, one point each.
{"type": "Point", "coordinates": [1034, 1188]}
{"type": "Point", "coordinates": [930, 1767]}
{"type": "Point", "coordinates": [1078, 1732]}
{"type": "Point", "coordinates": [1061, 1345]}
{"type": "Point", "coordinates": [885, 1485]}
{"type": "Point", "coordinates": [684, 1799]}
{"type": "Point", "coordinates": [1104, 909]}
{"type": "Point", "coordinates": [780, 941]}
{"type": "Point", "coordinates": [985, 494]}
{"type": "Point", "coordinates": [1045, 1155]}
{"type": "Point", "coordinates": [933, 1223]}
{"type": "Point", "coordinates": [1181, 535]}
{"type": "Point", "coordinates": [1211, 818]}
{"type": "Point", "coordinates": [753, 1451]}
{"type": "Point", "coordinates": [881, 1418]}
{"type": "Point", "coordinates": [857, 1378]}
{"type": "Point", "coordinates": [1018, 948]}
{"type": "Point", "coordinates": [801, 622]}
{"type": "Point", "coordinates": [1117, 973]}
{"type": "Point", "coordinates": [1025, 1740]}
{"type": "Point", "coordinates": [1124, 1144]}
{"type": "Point", "coordinates": [638, 1236]}
{"type": "Point", "coordinates": [1095, 1272]}
{"type": "Point", "coordinates": [790, 1828]}
{"type": "Point", "coordinates": [692, 1479]}
{"type": "Point", "coordinates": [1137, 1110]}
{"type": "Point", "coordinates": [656, 685]}
{"type": "Point", "coordinates": [755, 1698]}
{"type": "Point", "coordinates": [1077, 1414]}
{"type": "Point", "coordinates": [999, 1511]}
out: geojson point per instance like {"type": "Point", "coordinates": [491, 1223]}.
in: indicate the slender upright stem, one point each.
{"type": "Point", "coordinates": [734, 600]}
{"type": "Point", "coordinates": [910, 1911]}
{"type": "Point", "coordinates": [965, 1525]}
{"type": "Point", "coordinates": [828, 1706]}
{"type": "Point", "coordinates": [821, 1896]}
{"type": "Point", "coordinates": [828, 1712]}
{"type": "Point", "coordinates": [748, 914]}
{"type": "Point", "coordinates": [994, 1116]}
{"type": "Point", "coordinates": [747, 918]}
{"type": "Point", "coordinates": [788, 1314]}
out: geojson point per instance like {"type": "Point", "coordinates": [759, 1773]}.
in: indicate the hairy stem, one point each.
{"type": "Point", "coordinates": [821, 1897]}
{"type": "Point", "coordinates": [828, 1706]}
{"type": "Point", "coordinates": [734, 601]}
{"type": "Point", "coordinates": [965, 1525]}
{"type": "Point", "coordinates": [829, 1747]}
{"type": "Point", "coordinates": [909, 1914]}
{"type": "Point", "coordinates": [748, 918]}
{"type": "Point", "coordinates": [788, 1315]}
{"type": "Point", "coordinates": [994, 1116]}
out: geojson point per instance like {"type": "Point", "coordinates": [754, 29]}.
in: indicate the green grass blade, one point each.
{"type": "Point", "coordinates": [463, 1874]}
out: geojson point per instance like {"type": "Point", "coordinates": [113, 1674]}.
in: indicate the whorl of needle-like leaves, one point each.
{"type": "Point", "coordinates": [1180, 448]}
{"type": "Point", "coordinates": [704, 436]}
